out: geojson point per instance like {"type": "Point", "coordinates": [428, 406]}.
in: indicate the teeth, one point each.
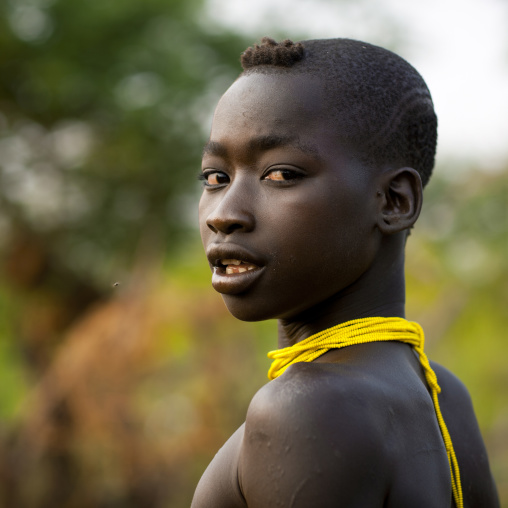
{"type": "Point", "coordinates": [230, 261]}
{"type": "Point", "coordinates": [236, 266]}
{"type": "Point", "coordinates": [239, 269]}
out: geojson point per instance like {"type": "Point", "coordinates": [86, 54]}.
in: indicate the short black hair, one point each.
{"type": "Point", "coordinates": [380, 101]}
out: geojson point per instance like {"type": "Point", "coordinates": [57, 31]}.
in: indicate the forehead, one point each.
{"type": "Point", "coordinates": [273, 94]}
{"type": "Point", "coordinates": [271, 105]}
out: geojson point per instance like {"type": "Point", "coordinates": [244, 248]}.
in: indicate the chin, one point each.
{"type": "Point", "coordinates": [246, 308]}
{"type": "Point", "coordinates": [249, 309]}
{"type": "Point", "coordinates": [244, 311]}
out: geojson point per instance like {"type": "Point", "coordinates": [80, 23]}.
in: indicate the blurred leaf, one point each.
{"type": "Point", "coordinates": [103, 109]}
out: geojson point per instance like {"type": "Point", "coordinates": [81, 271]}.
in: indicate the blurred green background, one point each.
{"type": "Point", "coordinates": [121, 372]}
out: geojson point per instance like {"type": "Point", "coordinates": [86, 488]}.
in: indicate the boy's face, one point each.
{"type": "Point", "coordinates": [284, 199]}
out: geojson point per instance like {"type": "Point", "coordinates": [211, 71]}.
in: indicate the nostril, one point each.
{"type": "Point", "coordinates": [225, 226]}
{"type": "Point", "coordinates": [229, 224]}
{"type": "Point", "coordinates": [214, 229]}
{"type": "Point", "coordinates": [233, 227]}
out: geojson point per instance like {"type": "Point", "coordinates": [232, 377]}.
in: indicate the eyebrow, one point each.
{"type": "Point", "coordinates": [263, 144]}
{"type": "Point", "coordinates": [214, 148]}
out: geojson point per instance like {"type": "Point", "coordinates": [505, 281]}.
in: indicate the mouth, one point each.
{"type": "Point", "coordinates": [235, 270]}
{"type": "Point", "coordinates": [233, 266]}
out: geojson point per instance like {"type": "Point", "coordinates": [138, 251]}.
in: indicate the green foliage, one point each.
{"type": "Point", "coordinates": [13, 376]}
{"type": "Point", "coordinates": [103, 110]}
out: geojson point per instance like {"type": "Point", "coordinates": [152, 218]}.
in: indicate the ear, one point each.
{"type": "Point", "coordinates": [400, 200]}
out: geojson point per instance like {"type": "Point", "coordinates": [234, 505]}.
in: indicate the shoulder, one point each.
{"type": "Point", "coordinates": [317, 394]}
{"type": "Point", "coordinates": [451, 384]}
{"type": "Point", "coordinates": [308, 435]}
{"type": "Point", "coordinates": [458, 412]}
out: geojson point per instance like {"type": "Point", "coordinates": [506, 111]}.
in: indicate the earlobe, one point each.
{"type": "Point", "coordinates": [400, 200]}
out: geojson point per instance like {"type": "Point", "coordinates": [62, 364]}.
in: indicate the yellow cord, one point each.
{"type": "Point", "coordinates": [361, 331]}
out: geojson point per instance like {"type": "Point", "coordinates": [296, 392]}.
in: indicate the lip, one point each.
{"type": "Point", "coordinates": [235, 283]}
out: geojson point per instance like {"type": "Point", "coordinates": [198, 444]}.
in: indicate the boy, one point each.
{"type": "Point", "coordinates": [313, 178]}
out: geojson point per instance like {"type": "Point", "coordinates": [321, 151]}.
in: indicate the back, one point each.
{"type": "Point", "coordinates": [359, 430]}
{"type": "Point", "coordinates": [477, 482]}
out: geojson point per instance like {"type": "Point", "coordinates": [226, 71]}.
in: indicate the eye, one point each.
{"type": "Point", "coordinates": [282, 175]}
{"type": "Point", "coordinates": [214, 178]}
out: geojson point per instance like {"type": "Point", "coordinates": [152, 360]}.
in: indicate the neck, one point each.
{"type": "Point", "coordinates": [379, 292]}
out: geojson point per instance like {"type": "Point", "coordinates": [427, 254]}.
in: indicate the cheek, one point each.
{"type": "Point", "coordinates": [335, 240]}
{"type": "Point", "coordinates": [320, 218]}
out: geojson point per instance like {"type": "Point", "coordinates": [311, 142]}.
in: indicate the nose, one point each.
{"type": "Point", "coordinates": [231, 214]}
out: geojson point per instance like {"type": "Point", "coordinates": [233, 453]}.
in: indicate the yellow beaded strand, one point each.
{"type": "Point", "coordinates": [362, 331]}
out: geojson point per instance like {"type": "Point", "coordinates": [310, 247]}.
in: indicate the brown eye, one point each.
{"type": "Point", "coordinates": [281, 175]}
{"type": "Point", "coordinates": [214, 178]}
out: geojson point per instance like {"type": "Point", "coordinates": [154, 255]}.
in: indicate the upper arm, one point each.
{"type": "Point", "coordinates": [218, 487]}
{"type": "Point", "coordinates": [299, 451]}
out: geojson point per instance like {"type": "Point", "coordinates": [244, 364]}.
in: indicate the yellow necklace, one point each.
{"type": "Point", "coordinates": [361, 331]}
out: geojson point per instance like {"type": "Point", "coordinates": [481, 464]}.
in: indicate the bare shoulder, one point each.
{"type": "Point", "coordinates": [327, 432]}
{"type": "Point", "coordinates": [457, 407]}
{"type": "Point", "coordinates": [308, 438]}
{"type": "Point", "coordinates": [309, 392]}
{"type": "Point", "coordinates": [333, 432]}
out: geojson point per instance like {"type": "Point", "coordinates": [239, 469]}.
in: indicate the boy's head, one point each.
{"type": "Point", "coordinates": [379, 101]}
{"type": "Point", "coordinates": [311, 178]}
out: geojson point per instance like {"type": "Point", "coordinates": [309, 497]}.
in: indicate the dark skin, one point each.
{"type": "Point", "coordinates": [296, 229]}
